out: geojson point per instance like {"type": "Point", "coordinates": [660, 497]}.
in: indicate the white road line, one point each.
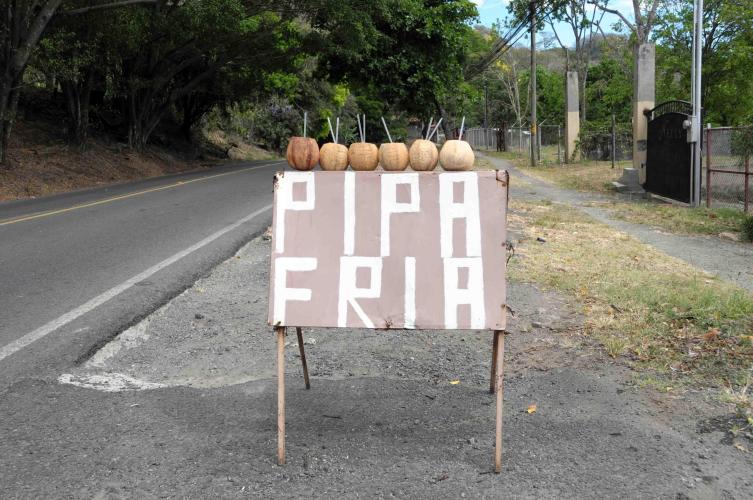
{"type": "Point", "coordinates": [97, 301]}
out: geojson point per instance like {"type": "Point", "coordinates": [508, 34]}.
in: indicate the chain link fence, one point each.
{"type": "Point", "coordinates": [727, 170]}
{"type": "Point", "coordinates": [550, 145]}
{"type": "Point", "coordinates": [598, 145]}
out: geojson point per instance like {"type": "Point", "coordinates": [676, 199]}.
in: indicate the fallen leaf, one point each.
{"type": "Point", "coordinates": [532, 408]}
{"type": "Point", "coordinates": [454, 382]}
{"type": "Point", "coordinates": [711, 335]}
{"type": "Point", "coordinates": [741, 447]}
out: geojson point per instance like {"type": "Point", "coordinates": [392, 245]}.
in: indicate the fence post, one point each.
{"type": "Point", "coordinates": [614, 139]}
{"type": "Point", "coordinates": [520, 137]}
{"type": "Point", "coordinates": [559, 144]}
{"type": "Point", "coordinates": [747, 184]}
{"type": "Point", "coordinates": [708, 166]}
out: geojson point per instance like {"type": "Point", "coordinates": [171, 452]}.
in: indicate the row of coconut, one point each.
{"type": "Point", "coordinates": [303, 153]}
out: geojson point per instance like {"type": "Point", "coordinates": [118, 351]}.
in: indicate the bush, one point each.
{"type": "Point", "coordinates": [746, 228]}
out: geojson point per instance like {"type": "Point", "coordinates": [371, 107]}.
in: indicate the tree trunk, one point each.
{"type": "Point", "coordinates": [446, 128]}
{"type": "Point", "coordinates": [4, 101]}
{"type": "Point", "coordinates": [77, 97]}
{"type": "Point", "coordinates": [9, 94]}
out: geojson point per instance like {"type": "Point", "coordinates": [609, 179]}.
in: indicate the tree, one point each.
{"type": "Point", "coordinates": [584, 25]}
{"type": "Point", "coordinates": [407, 52]}
{"type": "Point", "coordinates": [24, 23]}
{"type": "Point", "coordinates": [727, 56]}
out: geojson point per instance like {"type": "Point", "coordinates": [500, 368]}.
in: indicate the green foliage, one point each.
{"type": "Point", "coordinates": [727, 58]}
{"type": "Point", "coordinates": [609, 89]}
{"type": "Point", "coordinates": [742, 143]}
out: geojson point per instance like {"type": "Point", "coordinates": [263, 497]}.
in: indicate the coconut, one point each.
{"type": "Point", "coordinates": [363, 156]}
{"type": "Point", "coordinates": [393, 156]}
{"type": "Point", "coordinates": [423, 155]}
{"type": "Point", "coordinates": [302, 153]}
{"type": "Point", "coordinates": [456, 155]}
{"type": "Point", "coordinates": [333, 156]}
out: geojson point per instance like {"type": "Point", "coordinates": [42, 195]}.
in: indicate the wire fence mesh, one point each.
{"type": "Point", "coordinates": [597, 145]}
{"type": "Point", "coordinates": [549, 143]}
{"type": "Point", "coordinates": [727, 170]}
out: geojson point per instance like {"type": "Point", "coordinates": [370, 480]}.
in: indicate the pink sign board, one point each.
{"type": "Point", "coordinates": [389, 250]}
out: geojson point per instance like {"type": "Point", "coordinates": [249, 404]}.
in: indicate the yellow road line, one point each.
{"type": "Point", "coordinates": [124, 196]}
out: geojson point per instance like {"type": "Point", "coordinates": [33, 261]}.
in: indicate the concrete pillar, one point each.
{"type": "Point", "coordinates": [572, 118]}
{"type": "Point", "coordinates": [644, 88]}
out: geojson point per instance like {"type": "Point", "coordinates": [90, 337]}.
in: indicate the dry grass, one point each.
{"type": "Point", "coordinates": [638, 302]}
{"type": "Point", "coordinates": [679, 219]}
{"type": "Point", "coordinates": [236, 148]}
{"type": "Point", "coordinates": [594, 176]}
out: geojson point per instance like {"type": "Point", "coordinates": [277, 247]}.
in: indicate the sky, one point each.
{"type": "Point", "coordinates": [492, 10]}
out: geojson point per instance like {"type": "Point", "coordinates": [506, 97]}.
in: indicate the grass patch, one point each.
{"type": "Point", "coordinates": [639, 302]}
{"type": "Point", "coordinates": [593, 176]}
{"type": "Point", "coordinates": [746, 228]}
{"type": "Point", "coordinates": [678, 219]}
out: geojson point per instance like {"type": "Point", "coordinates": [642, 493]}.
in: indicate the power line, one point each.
{"type": "Point", "coordinates": [505, 43]}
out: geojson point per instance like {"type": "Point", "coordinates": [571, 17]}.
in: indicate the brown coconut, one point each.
{"type": "Point", "coordinates": [303, 153]}
{"type": "Point", "coordinates": [456, 155]}
{"type": "Point", "coordinates": [333, 157]}
{"type": "Point", "coordinates": [393, 156]}
{"type": "Point", "coordinates": [363, 156]}
{"type": "Point", "coordinates": [423, 155]}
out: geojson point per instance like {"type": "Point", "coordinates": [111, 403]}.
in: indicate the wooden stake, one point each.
{"type": "Point", "coordinates": [428, 129]}
{"type": "Point", "coordinates": [305, 119]}
{"type": "Point", "coordinates": [299, 333]}
{"type": "Point", "coordinates": [337, 131]}
{"type": "Point", "coordinates": [500, 335]}
{"type": "Point", "coordinates": [493, 377]}
{"type": "Point", "coordinates": [280, 395]}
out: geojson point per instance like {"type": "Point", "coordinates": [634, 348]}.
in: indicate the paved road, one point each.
{"type": "Point", "coordinates": [77, 268]}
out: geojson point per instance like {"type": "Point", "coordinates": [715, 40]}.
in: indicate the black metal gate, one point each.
{"type": "Point", "coordinates": [669, 155]}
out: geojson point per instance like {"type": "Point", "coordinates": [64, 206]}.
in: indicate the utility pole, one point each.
{"type": "Point", "coordinates": [695, 126]}
{"type": "Point", "coordinates": [534, 142]}
{"type": "Point", "coordinates": [486, 113]}
{"type": "Point", "coordinates": [614, 139]}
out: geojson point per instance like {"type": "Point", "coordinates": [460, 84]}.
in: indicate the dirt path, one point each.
{"type": "Point", "coordinates": [726, 259]}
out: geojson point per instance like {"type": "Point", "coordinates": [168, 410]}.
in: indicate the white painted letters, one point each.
{"type": "Point", "coordinates": [410, 293]}
{"type": "Point", "coordinates": [468, 210]}
{"type": "Point", "coordinates": [284, 201]}
{"type": "Point", "coordinates": [282, 294]}
{"type": "Point", "coordinates": [349, 213]}
{"type": "Point", "coordinates": [349, 290]}
{"type": "Point", "coordinates": [473, 294]}
{"type": "Point", "coordinates": [390, 205]}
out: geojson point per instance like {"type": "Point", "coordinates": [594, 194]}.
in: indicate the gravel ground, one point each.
{"type": "Point", "coordinates": [381, 419]}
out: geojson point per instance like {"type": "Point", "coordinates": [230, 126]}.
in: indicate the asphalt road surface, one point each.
{"type": "Point", "coordinates": [78, 268]}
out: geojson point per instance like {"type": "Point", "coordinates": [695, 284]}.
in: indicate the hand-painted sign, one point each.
{"type": "Point", "coordinates": [389, 250]}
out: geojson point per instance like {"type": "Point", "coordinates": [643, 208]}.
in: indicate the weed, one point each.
{"type": "Point", "coordinates": [746, 228]}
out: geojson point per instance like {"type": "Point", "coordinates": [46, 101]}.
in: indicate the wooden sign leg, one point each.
{"type": "Point", "coordinates": [299, 332]}
{"type": "Point", "coordinates": [499, 356]}
{"type": "Point", "coordinates": [493, 376]}
{"type": "Point", "coordinates": [280, 395]}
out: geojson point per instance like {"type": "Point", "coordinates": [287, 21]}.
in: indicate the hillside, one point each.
{"type": "Point", "coordinates": [43, 162]}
